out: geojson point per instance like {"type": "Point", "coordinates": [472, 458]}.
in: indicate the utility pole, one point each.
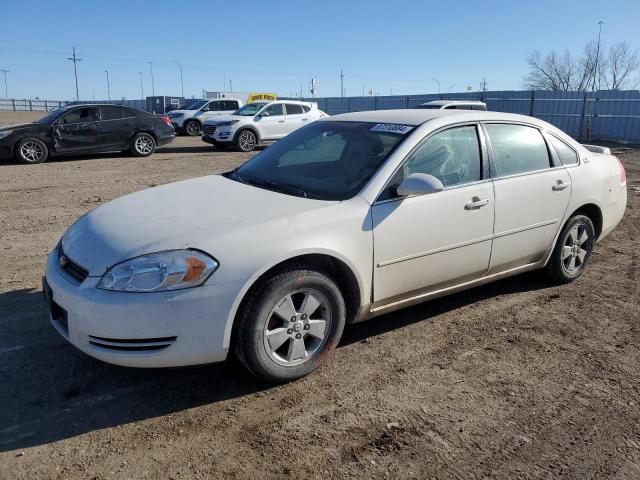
{"type": "Point", "coordinates": [438, 82]}
{"type": "Point", "coordinates": [230, 86]}
{"type": "Point", "coordinates": [75, 61]}
{"type": "Point", "coordinates": [6, 91]}
{"type": "Point", "coordinates": [483, 85]}
{"type": "Point", "coordinates": [153, 87]}
{"type": "Point", "coordinates": [141, 86]}
{"type": "Point", "coordinates": [341, 83]}
{"type": "Point", "coordinates": [181, 82]}
{"type": "Point", "coordinates": [108, 86]}
{"type": "Point", "coordinates": [596, 74]}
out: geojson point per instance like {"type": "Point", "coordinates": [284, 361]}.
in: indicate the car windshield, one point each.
{"type": "Point", "coordinates": [249, 109]}
{"type": "Point", "coordinates": [194, 105]}
{"type": "Point", "coordinates": [51, 116]}
{"type": "Point", "coordinates": [327, 160]}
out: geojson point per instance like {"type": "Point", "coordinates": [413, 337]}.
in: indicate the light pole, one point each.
{"type": "Point", "coordinates": [341, 83]}
{"type": "Point", "coordinates": [153, 87]}
{"type": "Point", "coordinates": [6, 91]}
{"type": "Point", "coordinates": [181, 82]}
{"type": "Point", "coordinates": [438, 82]}
{"type": "Point", "coordinates": [75, 61]}
{"type": "Point", "coordinates": [597, 62]}
{"type": "Point", "coordinates": [108, 86]}
{"type": "Point", "coordinates": [141, 86]}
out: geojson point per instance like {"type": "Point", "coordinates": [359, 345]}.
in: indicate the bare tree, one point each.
{"type": "Point", "coordinates": [621, 63]}
{"type": "Point", "coordinates": [563, 72]}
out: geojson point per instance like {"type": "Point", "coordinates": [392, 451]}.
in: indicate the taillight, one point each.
{"type": "Point", "coordinates": [623, 174]}
{"type": "Point", "coordinates": [166, 119]}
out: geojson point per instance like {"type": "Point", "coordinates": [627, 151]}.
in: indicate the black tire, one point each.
{"type": "Point", "coordinates": [257, 317]}
{"type": "Point", "coordinates": [142, 144]}
{"type": "Point", "coordinates": [572, 251]}
{"type": "Point", "coordinates": [31, 151]}
{"type": "Point", "coordinates": [192, 128]}
{"type": "Point", "coordinates": [246, 140]}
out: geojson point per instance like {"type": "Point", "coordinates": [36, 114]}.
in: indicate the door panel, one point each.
{"type": "Point", "coordinates": [77, 130]}
{"type": "Point", "coordinates": [432, 241]}
{"type": "Point", "coordinates": [113, 130]}
{"type": "Point", "coordinates": [529, 209]}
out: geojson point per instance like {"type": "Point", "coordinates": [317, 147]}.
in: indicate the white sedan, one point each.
{"type": "Point", "coordinates": [350, 217]}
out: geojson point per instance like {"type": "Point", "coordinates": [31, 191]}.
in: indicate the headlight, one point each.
{"type": "Point", "coordinates": [158, 272]}
{"type": "Point", "coordinates": [5, 134]}
{"type": "Point", "coordinates": [228, 124]}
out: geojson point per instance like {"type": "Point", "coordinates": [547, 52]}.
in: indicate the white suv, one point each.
{"type": "Point", "coordinates": [189, 119]}
{"type": "Point", "coordinates": [259, 122]}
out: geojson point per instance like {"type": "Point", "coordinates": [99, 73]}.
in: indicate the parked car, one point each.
{"type": "Point", "coordinates": [190, 118]}
{"type": "Point", "coordinates": [86, 129]}
{"type": "Point", "coordinates": [453, 105]}
{"type": "Point", "coordinates": [259, 123]}
{"type": "Point", "coordinates": [345, 219]}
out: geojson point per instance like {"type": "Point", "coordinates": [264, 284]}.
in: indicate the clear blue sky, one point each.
{"type": "Point", "coordinates": [276, 46]}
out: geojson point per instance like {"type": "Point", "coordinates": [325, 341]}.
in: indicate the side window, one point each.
{"type": "Point", "coordinates": [452, 156]}
{"type": "Point", "coordinates": [567, 155]}
{"type": "Point", "coordinates": [293, 109]}
{"type": "Point", "coordinates": [306, 108]}
{"type": "Point", "coordinates": [111, 113]}
{"type": "Point", "coordinates": [517, 149]}
{"type": "Point", "coordinates": [80, 115]}
{"type": "Point", "coordinates": [214, 107]}
{"type": "Point", "coordinates": [230, 105]}
{"type": "Point", "coordinates": [275, 110]}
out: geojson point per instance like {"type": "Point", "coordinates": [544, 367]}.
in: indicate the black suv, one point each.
{"type": "Point", "coordinates": [86, 129]}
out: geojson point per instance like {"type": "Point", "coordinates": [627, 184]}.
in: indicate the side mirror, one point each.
{"type": "Point", "coordinates": [264, 114]}
{"type": "Point", "coordinates": [419, 184]}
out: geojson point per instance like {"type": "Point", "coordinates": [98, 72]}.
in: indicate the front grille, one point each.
{"type": "Point", "coordinates": [132, 344]}
{"type": "Point", "coordinates": [71, 268]}
{"type": "Point", "coordinates": [208, 129]}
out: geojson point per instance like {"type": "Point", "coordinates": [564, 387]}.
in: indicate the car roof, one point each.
{"type": "Point", "coordinates": [454, 102]}
{"type": "Point", "coordinates": [416, 116]}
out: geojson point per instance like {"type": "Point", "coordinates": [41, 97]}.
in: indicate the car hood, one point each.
{"type": "Point", "coordinates": [188, 214]}
{"type": "Point", "coordinates": [225, 117]}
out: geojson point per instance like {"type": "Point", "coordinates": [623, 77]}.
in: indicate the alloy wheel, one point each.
{"type": "Point", "coordinates": [31, 151]}
{"type": "Point", "coordinates": [144, 144]}
{"type": "Point", "coordinates": [575, 251]}
{"type": "Point", "coordinates": [247, 141]}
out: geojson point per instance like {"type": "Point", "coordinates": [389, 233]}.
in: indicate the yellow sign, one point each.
{"type": "Point", "coordinates": [255, 97]}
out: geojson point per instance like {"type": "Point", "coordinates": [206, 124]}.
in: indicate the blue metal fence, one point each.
{"type": "Point", "coordinates": [604, 115]}
{"type": "Point", "coordinates": [38, 105]}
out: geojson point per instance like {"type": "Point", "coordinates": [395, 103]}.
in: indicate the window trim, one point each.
{"type": "Point", "coordinates": [484, 160]}
{"type": "Point", "coordinates": [492, 158]}
{"type": "Point", "coordinates": [549, 135]}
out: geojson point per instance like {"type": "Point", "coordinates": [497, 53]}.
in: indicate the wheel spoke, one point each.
{"type": "Point", "coordinates": [582, 253]}
{"type": "Point", "coordinates": [572, 264]}
{"type": "Point", "coordinates": [317, 328]}
{"type": "Point", "coordinates": [277, 337]}
{"type": "Point", "coordinates": [573, 234]}
{"type": "Point", "coordinates": [310, 304]}
{"type": "Point", "coordinates": [584, 237]}
{"type": "Point", "coordinates": [297, 350]}
{"type": "Point", "coordinates": [285, 309]}
{"type": "Point", "coordinates": [566, 252]}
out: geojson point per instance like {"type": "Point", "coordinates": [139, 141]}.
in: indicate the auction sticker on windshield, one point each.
{"type": "Point", "coordinates": [391, 128]}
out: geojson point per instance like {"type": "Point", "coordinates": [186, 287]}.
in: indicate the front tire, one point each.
{"type": "Point", "coordinates": [143, 144]}
{"type": "Point", "coordinates": [290, 324]}
{"type": "Point", "coordinates": [573, 250]}
{"type": "Point", "coordinates": [31, 151]}
{"type": "Point", "coordinates": [246, 141]}
{"type": "Point", "coordinates": [192, 128]}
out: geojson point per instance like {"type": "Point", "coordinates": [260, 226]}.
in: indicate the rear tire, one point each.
{"type": "Point", "coordinates": [31, 151]}
{"type": "Point", "coordinates": [143, 144]}
{"type": "Point", "coordinates": [572, 251]}
{"type": "Point", "coordinates": [192, 128]}
{"type": "Point", "coordinates": [290, 324]}
{"type": "Point", "coordinates": [246, 141]}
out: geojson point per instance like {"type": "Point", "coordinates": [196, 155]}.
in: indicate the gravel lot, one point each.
{"type": "Point", "coordinates": [512, 380]}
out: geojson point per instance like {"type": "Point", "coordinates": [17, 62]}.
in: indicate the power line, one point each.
{"type": "Point", "coordinates": [75, 61]}
{"type": "Point", "coordinates": [6, 91]}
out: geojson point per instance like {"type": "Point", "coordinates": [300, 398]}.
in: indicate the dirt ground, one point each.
{"type": "Point", "coordinates": [514, 380]}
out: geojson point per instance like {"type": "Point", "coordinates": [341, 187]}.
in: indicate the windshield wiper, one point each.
{"type": "Point", "coordinates": [285, 188]}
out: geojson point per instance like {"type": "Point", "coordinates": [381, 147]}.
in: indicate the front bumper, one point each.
{"type": "Point", "coordinates": [163, 329]}
{"type": "Point", "coordinates": [215, 134]}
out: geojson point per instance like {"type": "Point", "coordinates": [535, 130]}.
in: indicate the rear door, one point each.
{"type": "Point", "coordinates": [76, 130]}
{"type": "Point", "coordinates": [296, 116]}
{"type": "Point", "coordinates": [114, 130]}
{"type": "Point", "coordinates": [272, 122]}
{"type": "Point", "coordinates": [531, 195]}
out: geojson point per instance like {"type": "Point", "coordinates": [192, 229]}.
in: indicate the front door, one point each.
{"type": "Point", "coordinates": [430, 242]}
{"type": "Point", "coordinates": [273, 124]}
{"type": "Point", "coordinates": [76, 130]}
{"type": "Point", "coordinates": [532, 195]}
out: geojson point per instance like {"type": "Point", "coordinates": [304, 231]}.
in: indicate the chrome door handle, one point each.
{"type": "Point", "coordinates": [280, 121]}
{"type": "Point", "coordinates": [560, 185]}
{"type": "Point", "coordinates": [305, 119]}
{"type": "Point", "coordinates": [476, 203]}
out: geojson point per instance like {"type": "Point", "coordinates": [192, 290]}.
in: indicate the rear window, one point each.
{"type": "Point", "coordinates": [517, 149]}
